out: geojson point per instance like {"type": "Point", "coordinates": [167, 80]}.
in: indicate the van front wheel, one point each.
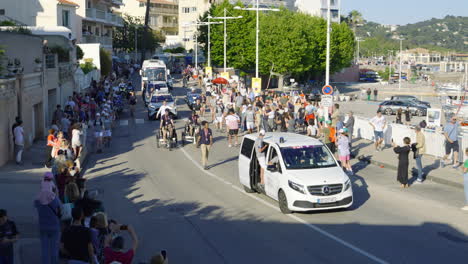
{"type": "Point", "coordinates": [283, 203]}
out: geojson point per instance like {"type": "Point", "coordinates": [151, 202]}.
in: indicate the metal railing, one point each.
{"type": "Point", "coordinates": [104, 16]}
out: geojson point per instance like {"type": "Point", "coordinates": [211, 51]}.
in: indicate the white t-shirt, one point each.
{"type": "Point", "coordinates": [71, 103]}
{"type": "Point", "coordinates": [378, 122]}
{"type": "Point", "coordinates": [76, 133]}
{"type": "Point", "coordinates": [232, 121]}
{"type": "Point", "coordinates": [311, 130]}
{"type": "Point", "coordinates": [19, 137]}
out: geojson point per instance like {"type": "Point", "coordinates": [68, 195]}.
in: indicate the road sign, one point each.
{"type": "Point", "coordinates": [209, 71]}
{"type": "Point", "coordinates": [225, 75]}
{"type": "Point", "coordinates": [257, 85]}
{"type": "Point", "coordinates": [327, 89]}
{"type": "Point", "coordinates": [327, 100]}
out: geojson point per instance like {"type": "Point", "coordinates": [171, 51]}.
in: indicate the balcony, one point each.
{"type": "Point", "coordinates": [98, 15]}
{"type": "Point", "coordinates": [170, 25]}
{"type": "Point", "coordinates": [104, 41]}
{"type": "Point", "coordinates": [164, 11]}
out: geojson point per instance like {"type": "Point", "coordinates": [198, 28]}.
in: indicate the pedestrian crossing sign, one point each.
{"type": "Point", "coordinates": [209, 71]}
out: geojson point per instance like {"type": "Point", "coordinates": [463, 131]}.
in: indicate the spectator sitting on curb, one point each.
{"type": "Point", "coordinates": [8, 236]}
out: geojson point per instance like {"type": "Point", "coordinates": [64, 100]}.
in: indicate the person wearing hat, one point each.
{"type": "Point", "coordinates": [260, 150]}
{"type": "Point", "coordinates": [343, 150]}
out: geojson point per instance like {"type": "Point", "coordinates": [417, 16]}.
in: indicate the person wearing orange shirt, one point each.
{"type": "Point", "coordinates": [51, 139]}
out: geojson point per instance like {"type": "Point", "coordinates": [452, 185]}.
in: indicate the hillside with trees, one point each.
{"type": "Point", "coordinates": [448, 34]}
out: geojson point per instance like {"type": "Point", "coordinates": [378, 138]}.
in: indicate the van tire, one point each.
{"type": "Point", "coordinates": [283, 203]}
{"type": "Point", "coordinates": [248, 190]}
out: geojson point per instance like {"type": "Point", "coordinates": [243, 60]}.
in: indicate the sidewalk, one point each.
{"type": "Point", "coordinates": [364, 150]}
{"type": "Point", "coordinates": [19, 186]}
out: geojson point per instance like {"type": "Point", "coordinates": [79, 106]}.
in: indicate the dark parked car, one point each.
{"type": "Point", "coordinates": [191, 98]}
{"type": "Point", "coordinates": [391, 107]}
{"type": "Point", "coordinates": [410, 98]}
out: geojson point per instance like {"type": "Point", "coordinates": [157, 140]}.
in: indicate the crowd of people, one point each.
{"type": "Point", "coordinates": [234, 108]}
{"type": "Point", "coordinates": [73, 225]}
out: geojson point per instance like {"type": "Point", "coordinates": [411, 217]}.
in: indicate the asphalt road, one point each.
{"type": "Point", "coordinates": [205, 217]}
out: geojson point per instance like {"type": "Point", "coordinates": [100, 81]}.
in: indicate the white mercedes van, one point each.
{"type": "Point", "coordinates": [305, 177]}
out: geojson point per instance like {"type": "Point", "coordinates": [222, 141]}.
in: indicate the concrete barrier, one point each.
{"type": "Point", "coordinates": [435, 140]}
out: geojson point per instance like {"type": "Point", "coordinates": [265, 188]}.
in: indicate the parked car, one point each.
{"type": "Point", "coordinates": [191, 98]}
{"type": "Point", "coordinates": [410, 98]}
{"type": "Point", "coordinates": [156, 102]}
{"type": "Point", "coordinates": [391, 107]}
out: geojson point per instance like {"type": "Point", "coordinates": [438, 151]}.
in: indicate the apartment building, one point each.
{"type": "Point", "coordinates": [320, 8]}
{"type": "Point", "coordinates": [163, 14]}
{"type": "Point", "coordinates": [97, 21]}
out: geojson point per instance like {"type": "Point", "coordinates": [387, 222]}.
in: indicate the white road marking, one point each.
{"type": "Point", "coordinates": [124, 122]}
{"type": "Point", "coordinates": [298, 219]}
{"type": "Point", "coordinates": [139, 121]}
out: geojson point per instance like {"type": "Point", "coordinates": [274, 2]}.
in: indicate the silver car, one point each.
{"type": "Point", "coordinates": [391, 107]}
{"type": "Point", "coordinates": [157, 100]}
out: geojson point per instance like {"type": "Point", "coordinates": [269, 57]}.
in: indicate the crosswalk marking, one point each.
{"type": "Point", "coordinates": [139, 121]}
{"type": "Point", "coordinates": [124, 122]}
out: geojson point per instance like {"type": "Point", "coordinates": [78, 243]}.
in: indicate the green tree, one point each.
{"type": "Point", "coordinates": [290, 42]}
{"type": "Point", "coordinates": [354, 19]}
{"type": "Point", "coordinates": [106, 62]}
{"type": "Point", "coordinates": [124, 37]}
{"type": "Point", "coordinates": [240, 37]}
{"type": "Point", "coordinates": [79, 53]}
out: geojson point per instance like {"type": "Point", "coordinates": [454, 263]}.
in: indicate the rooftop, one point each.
{"type": "Point", "coordinates": [67, 2]}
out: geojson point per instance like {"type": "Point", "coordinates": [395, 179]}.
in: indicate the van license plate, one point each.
{"type": "Point", "coordinates": [326, 200]}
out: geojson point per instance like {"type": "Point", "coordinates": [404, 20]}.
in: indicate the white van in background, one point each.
{"type": "Point", "coordinates": [306, 177]}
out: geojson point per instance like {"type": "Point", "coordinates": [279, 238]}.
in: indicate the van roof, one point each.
{"type": "Point", "coordinates": [153, 63]}
{"type": "Point", "coordinates": [290, 139]}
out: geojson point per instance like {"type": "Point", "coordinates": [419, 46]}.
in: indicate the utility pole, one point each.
{"type": "Point", "coordinates": [209, 41]}
{"type": "Point", "coordinates": [401, 50]}
{"type": "Point", "coordinates": [145, 34]}
{"type": "Point", "coordinates": [327, 69]}
{"type": "Point", "coordinates": [257, 32]}
{"type": "Point", "coordinates": [225, 40]}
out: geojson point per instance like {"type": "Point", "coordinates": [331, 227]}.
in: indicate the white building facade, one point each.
{"type": "Point", "coordinates": [319, 8]}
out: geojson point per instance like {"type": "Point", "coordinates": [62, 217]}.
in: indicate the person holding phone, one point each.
{"type": "Point", "coordinates": [114, 248]}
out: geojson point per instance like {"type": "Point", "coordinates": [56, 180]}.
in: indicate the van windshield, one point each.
{"type": "Point", "coordinates": [307, 157]}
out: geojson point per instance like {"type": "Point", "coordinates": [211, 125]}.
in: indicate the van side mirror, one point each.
{"type": "Point", "coordinates": [272, 168]}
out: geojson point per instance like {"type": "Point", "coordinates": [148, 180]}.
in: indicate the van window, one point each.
{"type": "Point", "coordinates": [274, 154]}
{"type": "Point", "coordinates": [247, 147]}
{"type": "Point", "coordinates": [307, 157]}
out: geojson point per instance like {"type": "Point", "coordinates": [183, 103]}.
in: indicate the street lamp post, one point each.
{"type": "Point", "coordinates": [399, 77]}
{"type": "Point", "coordinates": [327, 67]}
{"type": "Point", "coordinates": [224, 18]}
{"type": "Point", "coordinates": [209, 38]}
{"type": "Point", "coordinates": [257, 30]}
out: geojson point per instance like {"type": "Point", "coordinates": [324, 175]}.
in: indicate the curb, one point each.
{"type": "Point", "coordinates": [428, 177]}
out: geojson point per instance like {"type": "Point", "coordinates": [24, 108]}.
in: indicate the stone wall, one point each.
{"type": "Point", "coordinates": [8, 110]}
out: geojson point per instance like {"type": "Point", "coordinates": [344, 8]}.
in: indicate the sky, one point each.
{"type": "Point", "coordinates": [402, 12]}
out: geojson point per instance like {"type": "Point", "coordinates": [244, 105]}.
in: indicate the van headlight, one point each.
{"type": "Point", "coordinates": [296, 187]}
{"type": "Point", "coordinates": [347, 185]}
{"type": "Point", "coordinates": [152, 106]}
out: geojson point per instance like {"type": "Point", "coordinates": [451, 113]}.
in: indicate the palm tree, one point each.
{"type": "Point", "coordinates": [355, 19]}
